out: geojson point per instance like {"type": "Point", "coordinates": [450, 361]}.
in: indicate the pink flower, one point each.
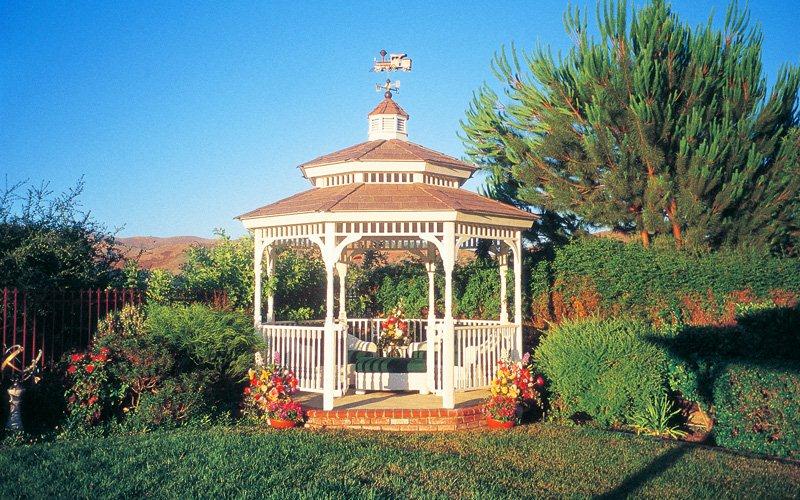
{"type": "Point", "coordinates": [276, 358]}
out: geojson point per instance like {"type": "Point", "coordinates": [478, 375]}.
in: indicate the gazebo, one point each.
{"type": "Point", "coordinates": [390, 192]}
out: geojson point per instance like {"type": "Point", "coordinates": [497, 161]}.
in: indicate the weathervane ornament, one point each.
{"type": "Point", "coordinates": [396, 62]}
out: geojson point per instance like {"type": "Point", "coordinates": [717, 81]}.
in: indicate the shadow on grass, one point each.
{"type": "Point", "coordinates": [651, 471]}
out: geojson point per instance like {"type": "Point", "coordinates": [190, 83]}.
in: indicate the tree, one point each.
{"type": "Point", "coordinates": [657, 128]}
{"type": "Point", "coordinates": [48, 242]}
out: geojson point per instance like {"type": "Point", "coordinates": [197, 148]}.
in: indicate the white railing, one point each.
{"type": "Point", "coordinates": [477, 350]}
{"type": "Point", "coordinates": [369, 329]}
{"type": "Point", "coordinates": [301, 349]}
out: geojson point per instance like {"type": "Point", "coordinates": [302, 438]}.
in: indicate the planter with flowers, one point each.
{"type": "Point", "coordinates": [268, 395]}
{"type": "Point", "coordinates": [515, 387]}
{"type": "Point", "coordinates": [394, 333]}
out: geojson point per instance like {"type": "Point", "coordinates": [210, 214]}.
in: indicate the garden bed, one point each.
{"type": "Point", "coordinates": [533, 460]}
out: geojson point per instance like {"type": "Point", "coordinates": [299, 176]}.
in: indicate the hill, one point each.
{"type": "Point", "coordinates": [162, 253]}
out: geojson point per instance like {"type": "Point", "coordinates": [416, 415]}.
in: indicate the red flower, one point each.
{"type": "Point", "coordinates": [539, 381]}
{"type": "Point", "coordinates": [247, 390]}
{"type": "Point", "coordinates": [105, 351]}
{"type": "Point", "coordinates": [71, 369]}
{"type": "Point", "coordinates": [76, 357]}
{"type": "Point", "coordinates": [89, 368]}
{"type": "Point", "coordinates": [100, 358]}
{"type": "Point", "coordinates": [92, 400]}
{"type": "Point", "coordinates": [392, 320]}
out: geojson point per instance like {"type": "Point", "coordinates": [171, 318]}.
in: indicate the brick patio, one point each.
{"type": "Point", "coordinates": [390, 411]}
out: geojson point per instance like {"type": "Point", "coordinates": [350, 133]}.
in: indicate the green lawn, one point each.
{"type": "Point", "coordinates": [536, 460]}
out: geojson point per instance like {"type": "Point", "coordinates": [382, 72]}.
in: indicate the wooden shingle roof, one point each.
{"type": "Point", "coordinates": [389, 150]}
{"type": "Point", "coordinates": [388, 197]}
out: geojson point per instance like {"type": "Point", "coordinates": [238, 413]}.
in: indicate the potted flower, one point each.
{"type": "Point", "coordinates": [268, 395]}
{"type": "Point", "coordinates": [513, 388]}
{"type": "Point", "coordinates": [501, 412]}
{"type": "Point", "coordinates": [284, 414]}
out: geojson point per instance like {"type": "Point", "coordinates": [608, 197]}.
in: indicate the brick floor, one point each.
{"type": "Point", "coordinates": [390, 411]}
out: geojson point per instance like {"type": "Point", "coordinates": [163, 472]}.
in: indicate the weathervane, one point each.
{"type": "Point", "coordinates": [396, 62]}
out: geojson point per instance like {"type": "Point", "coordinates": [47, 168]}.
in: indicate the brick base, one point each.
{"type": "Point", "coordinates": [470, 417]}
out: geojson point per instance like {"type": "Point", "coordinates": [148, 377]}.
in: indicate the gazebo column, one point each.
{"type": "Point", "coordinates": [329, 340]}
{"type": "Point", "coordinates": [518, 292]}
{"type": "Point", "coordinates": [430, 343]}
{"type": "Point", "coordinates": [448, 337]}
{"type": "Point", "coordinates": [341, 270]}
{"type": "Point", "coordinates": [258, 255]}
{"type": "Point", "coordinates": [502, 258]}
{"type": "Point", "coordinates": [270, 256]}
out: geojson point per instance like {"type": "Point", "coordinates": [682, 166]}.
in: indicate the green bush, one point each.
{"type": "Point", "coordinates": [697, 354]}
{"type": "Point", "coordinates": [606, 369]}
{"type": "Point", "coordinates": [173, 364]}
{"type": "Point", "coordinates": [758, 408]}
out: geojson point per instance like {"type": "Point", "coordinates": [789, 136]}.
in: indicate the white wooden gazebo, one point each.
{"type": "Point", "coordinates": [399, 195]}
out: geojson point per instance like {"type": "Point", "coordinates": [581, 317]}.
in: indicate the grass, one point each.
{"type": "Point", "coordinates": [535, 460]}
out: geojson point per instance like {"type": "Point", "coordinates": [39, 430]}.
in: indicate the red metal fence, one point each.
{"type": "Point", "coordinates": [59, 321]}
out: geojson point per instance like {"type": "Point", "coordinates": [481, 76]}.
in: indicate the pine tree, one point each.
{"type": "Point", "coordinates": [657, 128]}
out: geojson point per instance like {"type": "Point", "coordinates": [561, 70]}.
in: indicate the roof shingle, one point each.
{"type": "Point", "coordinates": [389, 150]}
{"type": "Point", "coordinates": [388, 197]}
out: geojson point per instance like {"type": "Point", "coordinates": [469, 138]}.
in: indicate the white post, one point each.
{"type": "Point", "coordinates": [502, 259]}
{"type": "Point", "coordinates": [430, 338]}
{"type": "Point", "coordinates": [448, 337]}
{"type": "Point", "coordinates": [329, 341]}
{"type": "Point", "coordinates": [518, 291]}
{"type": "Point", "coordinates": [270, 255]}
{"type": "Point", "coordinates": [258, 254]}
{"type": "Point", "coordinates": [341, 270]}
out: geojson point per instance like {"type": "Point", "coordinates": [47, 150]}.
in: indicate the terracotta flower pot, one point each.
{"type": "Point", "coordinates": [496, 424]}
{"type": "Point", "coordinates": [281, 424]}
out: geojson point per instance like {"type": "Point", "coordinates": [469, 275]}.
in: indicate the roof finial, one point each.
{"type": "Point", "coordinates": [388, 87]}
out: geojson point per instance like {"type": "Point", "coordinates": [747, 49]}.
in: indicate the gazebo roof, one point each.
{"type": "Point", "coordinates": [413, 197]}
{"type": "Point", "coordinates": [389, 150]}
{"type": "Point", "coordinates": [388, 107]}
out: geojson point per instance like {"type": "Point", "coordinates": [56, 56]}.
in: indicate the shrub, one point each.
{"type": "Point", "coordinates": [606, 369]}
{"type": "Point", "coordinates": [758, 408]}
{"type": "Point", "coordinates": [165, 366]}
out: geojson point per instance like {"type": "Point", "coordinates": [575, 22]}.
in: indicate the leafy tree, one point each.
{"type": "Point", "coordinates": [656, 127]}
{"type": "Point", "coordinates": [48, 242]}
{"type": "Point", "coordinates": [161, 286]}
{"type": "Point", "coordinates": [227, 265]}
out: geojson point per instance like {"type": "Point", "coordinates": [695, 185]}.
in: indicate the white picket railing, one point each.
{"type": "Point", "coordinates": [301, 349]}
{"type": "Point", "coordinates": [369, 329]}
{"type": "Point", "coordinates": [477, 351]}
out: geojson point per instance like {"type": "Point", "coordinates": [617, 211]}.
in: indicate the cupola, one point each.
{"type": "Point", "coordinates": [388, 121]}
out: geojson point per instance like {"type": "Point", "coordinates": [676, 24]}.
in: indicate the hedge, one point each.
{"type": "Point", "coordinates": [600, 276]}
{"type": "Point", "coordinates": [758, 407]}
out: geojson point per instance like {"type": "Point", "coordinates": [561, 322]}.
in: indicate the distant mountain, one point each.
{"type": "Point", "coordinates": [167, 253]}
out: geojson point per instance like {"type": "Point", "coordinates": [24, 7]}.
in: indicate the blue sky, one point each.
{"type": "Point", "coordinates": [181, 117]}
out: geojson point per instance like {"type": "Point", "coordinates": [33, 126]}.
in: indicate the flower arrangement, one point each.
{"type": "Point", "coordinates": [268, 394]}
{"type": "Point", "coordinates": [91, 393]}
{"type": "Point", "coordinates": [394, 332]}
{"type": "Point", "coordinates": [513, 388]}
{"type": "Point", "coordinates": [502, 408]}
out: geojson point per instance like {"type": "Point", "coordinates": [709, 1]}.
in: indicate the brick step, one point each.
{"type": "Point", "coordinates": [410, 420]}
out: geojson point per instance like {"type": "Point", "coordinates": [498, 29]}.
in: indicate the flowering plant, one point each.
{"type": "Point", "coordinates": [269, 390]}
{"type": "Point", "coordinates": [91, 394]}
{"type": "Point", "coordinates": [285, 410]}
{"type": "Point", "coordinates": [514, 382]}
{"type": "Point", "coordinates": [501, 408]}
{"type": "Point", "coordinates": [394, 332]}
